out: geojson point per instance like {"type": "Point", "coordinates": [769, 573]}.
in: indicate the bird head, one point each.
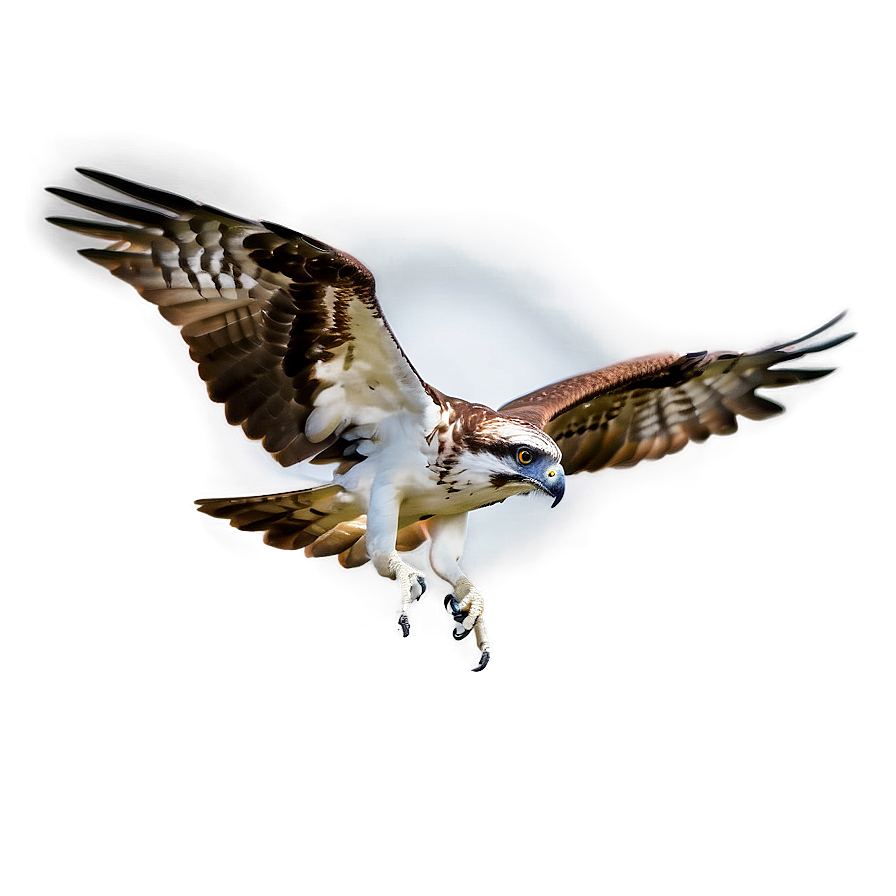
{"type": "Point", "coordinates": [517, 457]}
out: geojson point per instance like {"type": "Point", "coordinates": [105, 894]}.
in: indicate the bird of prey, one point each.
{"type": "Point", "coordinates": [290, 338]}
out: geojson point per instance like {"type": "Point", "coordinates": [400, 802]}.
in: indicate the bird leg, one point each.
{"type": "Point", "coordinates": [382, 529]}
{"type": "Point", "coordinates": [411, 585]}
{"type": "Point", "coordinates": [466, 604]}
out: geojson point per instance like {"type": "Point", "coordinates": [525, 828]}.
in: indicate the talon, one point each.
{"type": "Point", "coordinates": [405, 624]}
{"type": "Point", "coordinates": [459, 636]}
{"type": "Point", "coordinates": [449, 599]}
{"type": "Point", "coordinates": [483, 661]}
{"type": "Point", "coordinates": [422, 583]}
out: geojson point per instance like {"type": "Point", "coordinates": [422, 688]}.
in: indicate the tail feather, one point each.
{"type": "Point", "coordinates": [340, 538]}
{"type": "Point", "coordinates": [289, 520]}
{"type": "Point", "coordinates": [348, 541]}
{"type": "Point", "coordinates": [309, 519]}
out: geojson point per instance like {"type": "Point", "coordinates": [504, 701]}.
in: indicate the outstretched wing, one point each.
{"type": "Point", "coordinates": [649, 407]}
{"type": "Point", "coordinates": [287, 331]}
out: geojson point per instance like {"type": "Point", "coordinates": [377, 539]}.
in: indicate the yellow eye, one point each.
{"type": "Point", "coordinates": [525, 456]}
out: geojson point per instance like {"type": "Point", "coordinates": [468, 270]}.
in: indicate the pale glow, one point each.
{"type": "Point", "coordinates": [487, 308]}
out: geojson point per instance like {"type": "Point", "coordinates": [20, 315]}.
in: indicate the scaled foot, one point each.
{"type": "Point", "coordinates": [411, 585]}
{"type": "Point", "coordinates": [466, 608]}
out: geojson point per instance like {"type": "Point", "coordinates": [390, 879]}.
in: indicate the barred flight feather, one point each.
{"type": "Point", "coordinates": [263, 308]}
{"type": "Point", "coordinates": [649, 407]}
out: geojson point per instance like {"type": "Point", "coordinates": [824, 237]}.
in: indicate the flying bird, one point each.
{"type": "Point", "coordinates": [290, 338]}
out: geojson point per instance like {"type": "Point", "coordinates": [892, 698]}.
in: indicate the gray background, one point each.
{"type": "Point", "coordinates": [692, 681]}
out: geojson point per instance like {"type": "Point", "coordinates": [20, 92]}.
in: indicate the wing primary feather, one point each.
{"type": "Point", "coordinates": [110, 258]}
{"type": "Point", "coordinates": [123, 211]}
{"type": "Point", "coordinates": [782, 376]}
{"type": "Point", "coordinates": [821, 346]}
{"type": "Point", "coordinates": [104, 230]}
{"type": "Point", "coordinates": [161, 198]}
{"type": "Point", "coordinates": [794, 342]}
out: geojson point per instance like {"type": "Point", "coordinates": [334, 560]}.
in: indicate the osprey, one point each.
{"type": "Point", "coordinates": [290, 338]}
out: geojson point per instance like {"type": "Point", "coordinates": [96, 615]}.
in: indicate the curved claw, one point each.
{"type": "Point", "coordinates": [453, 607]}
{"type": "Point", "coordinates": [483, 661]}
{"type": "Point", "coordinates": [459, 636]}
{"type": "Point", "coordinates": [422, 583]}
{"type": "Point", "coordinates": [457, 614]}
{"type": "Point", "coordinates": [405, 624]}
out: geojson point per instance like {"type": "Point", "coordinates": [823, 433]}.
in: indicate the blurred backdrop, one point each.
{"type": "Point", "coordinates": [691, 686]}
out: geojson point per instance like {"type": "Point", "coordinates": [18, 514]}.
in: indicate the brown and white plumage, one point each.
{"type": "Point", "coordinates": [288, 334]}
{"type": "Point", "coordinates": [272, 317]}
{"type": "Point", "coordinates": [649, 407]}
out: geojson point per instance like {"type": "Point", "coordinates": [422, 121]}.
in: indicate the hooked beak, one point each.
{"type": "Point", "coordinates": [555, 483]}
